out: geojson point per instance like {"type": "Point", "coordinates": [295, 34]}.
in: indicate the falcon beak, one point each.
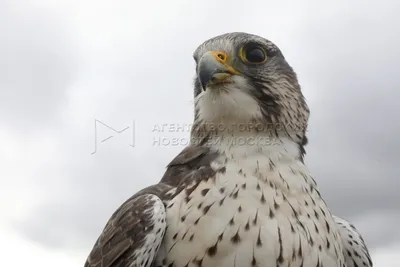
{"type": "Point", "coordinates": [214, 68]}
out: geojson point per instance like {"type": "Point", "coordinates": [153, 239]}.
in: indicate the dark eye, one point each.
{"type": "Point", "coordinates": [254, 54]}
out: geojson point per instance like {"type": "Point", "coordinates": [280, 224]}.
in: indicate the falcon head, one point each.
{"type": "Point", "coordinates": [244, 79]}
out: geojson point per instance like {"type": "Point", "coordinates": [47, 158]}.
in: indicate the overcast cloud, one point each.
{"type": "Point", "coordinates": [65, 64]}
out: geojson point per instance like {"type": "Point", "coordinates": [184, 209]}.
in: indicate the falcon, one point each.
{"type": "Point", "coordinates": [240, 194]}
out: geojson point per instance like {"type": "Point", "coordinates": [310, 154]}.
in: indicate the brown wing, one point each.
{"type": "Point", "coordinates": [132, 236]}
{"type": "Point", "coordinates": [192, 164]}
{"type": "Point", "coordinates": [134, 232]}
{"type": "Point", "coordinates": [355, 250]}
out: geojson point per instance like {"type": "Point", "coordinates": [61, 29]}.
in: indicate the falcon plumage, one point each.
{"type": "Point", "coordinates": [239, 194]}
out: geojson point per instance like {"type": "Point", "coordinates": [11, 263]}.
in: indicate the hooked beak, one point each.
{"type": "Point", "coordinates": [214, 68]}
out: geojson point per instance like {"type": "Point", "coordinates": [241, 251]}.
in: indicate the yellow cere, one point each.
{"type": "Point", "coordinates": [223, 58]}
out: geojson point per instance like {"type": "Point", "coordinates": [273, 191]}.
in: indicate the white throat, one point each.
{"type": "Point", "coordinates": [232, 102]}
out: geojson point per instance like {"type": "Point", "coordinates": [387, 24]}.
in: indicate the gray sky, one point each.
{"type": "Point", "coordinates": [129, 64]}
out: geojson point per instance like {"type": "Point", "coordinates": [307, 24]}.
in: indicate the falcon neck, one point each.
{"type": "Point", "coordinates": [243, 144]}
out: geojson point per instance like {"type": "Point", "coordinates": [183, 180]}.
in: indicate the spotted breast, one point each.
{"type": "Point", "coordinates": [241, 207]}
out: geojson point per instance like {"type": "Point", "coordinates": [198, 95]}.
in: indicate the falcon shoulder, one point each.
{"type": "Point", "coordinates": [190, 166]}
{"type": "Point", "coordinates": [134, 233]}
{"type": "Point", "coordinates": [354, 248]}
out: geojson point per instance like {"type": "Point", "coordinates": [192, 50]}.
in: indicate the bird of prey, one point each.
{"type": "Point", "coordinates": [240, 194]}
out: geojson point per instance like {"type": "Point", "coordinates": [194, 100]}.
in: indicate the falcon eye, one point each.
{"type": "Point", "coordinates": [253, 54]}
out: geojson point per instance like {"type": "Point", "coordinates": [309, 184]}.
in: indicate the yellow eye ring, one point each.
{"type": "Point", "coordinates": [253, 54]}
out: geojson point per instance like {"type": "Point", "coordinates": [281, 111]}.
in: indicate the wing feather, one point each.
{"type": "Point", "coordinates": [134, 233]}
{"type": "Point", "coordinates": [355, 250]}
